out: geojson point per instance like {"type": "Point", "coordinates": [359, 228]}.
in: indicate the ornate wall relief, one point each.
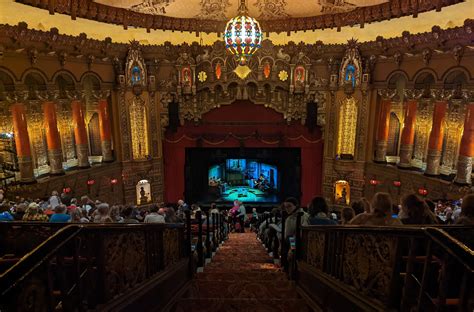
{"type": "Point", "coordinates": [346, 135]}
{"type": "Point", "coordinates": [138, 115]}
{"type": "Point", "coordinates": [452, 137]}
{"type": "Point", "coordinates": [422, 132]}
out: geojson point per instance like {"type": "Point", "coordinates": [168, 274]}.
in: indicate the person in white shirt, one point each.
{"type": "Point", "coordinates": [54, 200]}
{"type": "Point", "coordinates": [154, 216]}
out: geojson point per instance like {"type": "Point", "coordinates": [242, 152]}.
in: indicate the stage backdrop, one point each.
{"type": "Point", "coordinates": [243, 124]}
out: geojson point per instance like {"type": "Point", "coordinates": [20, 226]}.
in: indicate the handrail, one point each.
{"type": "Point", "coordinates": [162, 245]}
{"type": "Point", "coordinates": [28, 262]}
{"type": "Point", "coordinates": [385, 267]}
{"type": "Point", "coordinates": [457, 249]}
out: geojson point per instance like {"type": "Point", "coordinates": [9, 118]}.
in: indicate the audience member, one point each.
{"type": "Point", "coordinates": [154, 216]}
{"type": "Point", "coordinates": [128, 215]}
{"type": "Point", "coordinates": [416, 211]}
{"type": "Point", "coordinates": [19, 211]}
{"type": "Point", "coordinates": [5, 214]}
{"type": "Point", "coordinates": [54, 200]}
{"type": "Point", "coordinates": [77, 216]}
{"type": "Point", "coordinates": [241, 215]}
{"type": "Point", "coordinates": [358, 207]}
{"type": "Point", "coordinates": [319, 212]}
{"type": "Point", "coordinates": [171, 217]}
{"type": "Point", "coordinates": [60, 215]}
{"type": "Point", "coordinates": [115, 214]}
{"type": "Point", "coordinates": [467, 211]}
{"type": "Point", "coordinates": [381, 212]}
{"type": "Point", "coordinates": [34, 213]}
{"type": "Point", "coordinates": [347, 214]}
{"type": "Point", "coordinates": [102, 215]}
{"type": "Point", "coordinates": [292, 208]}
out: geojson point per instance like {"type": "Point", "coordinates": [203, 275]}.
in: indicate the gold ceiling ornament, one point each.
{"type": "Point", "coordinates": [242, 71]}
{"type": "Point", "coordinates": [202, 76]}
{"type": "Point", "coordinates": [283, 75]}
{"type": "Point", "coordinates": [243, 35]}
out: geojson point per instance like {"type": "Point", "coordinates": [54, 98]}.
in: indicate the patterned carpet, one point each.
{"type": "Point", "coordinates": [242, 277]}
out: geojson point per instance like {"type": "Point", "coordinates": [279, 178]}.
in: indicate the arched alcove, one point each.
{"type": "Point", "coordinates": [342, 192]}
{"type": "Point", "coordinates": [64, 82]}
{"type": "Point", "coordinates": [456, 79]}
{"type": "Point", "coordinates": [34, 82]}
{"type": "Point", "coordinates": [143, 190]}
{"type": "Point", "coordinates": [393, 135]}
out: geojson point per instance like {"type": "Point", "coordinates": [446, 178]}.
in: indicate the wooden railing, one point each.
{"type": "Point", "coordinates": [384, 269]}
{"type": "Point", "coordinates": [84, 267]}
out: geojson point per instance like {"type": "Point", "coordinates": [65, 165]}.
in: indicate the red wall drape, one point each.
{"type": "Point", "coordinates": [225, 126]}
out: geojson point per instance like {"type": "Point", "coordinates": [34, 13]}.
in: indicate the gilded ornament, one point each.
{"type": "Point", "coordinates": [202, 76]}
{"type": "Point", "coordinates": [283, 75]}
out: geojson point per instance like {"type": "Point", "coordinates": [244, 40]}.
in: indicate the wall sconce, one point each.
{"type": "Point", "coordinates": [90, 182]}
{"type": "Point", "coordinates": [67, 190]}
{"type": "Point", "coordinates": [422, 191]}
{"type": "Point", "coordinates": [112, 183]}
{"type": "Point", "coordinates": [373, 182]}
{"type": "Point", "coordinates": [397, 183]}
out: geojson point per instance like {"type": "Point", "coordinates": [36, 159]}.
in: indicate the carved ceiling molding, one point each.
{"type": "Point", "coordinates": [455, 41]}
{"type": "Point", "coordinates": [362, 15]}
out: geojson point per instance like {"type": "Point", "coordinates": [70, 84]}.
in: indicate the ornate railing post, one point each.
{"type": "Point", "coordinates": [188, 241]}
{"type": "Point", "coordinates": [199, 250]}
{"type": "Point", "coordinates": [208, 238]}
{"type": "Point", "coordinates": [284, 243]}
{"type": "Point", "coordinates": [214, 239]}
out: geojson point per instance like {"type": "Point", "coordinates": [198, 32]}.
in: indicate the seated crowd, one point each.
{"type": "Point", "coordinates": [67, 209]}
{"type": "Point", "coordinates": [380, 212]}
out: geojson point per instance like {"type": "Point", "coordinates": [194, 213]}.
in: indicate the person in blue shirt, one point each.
{"type": "Point", "coordinates": [60, 215]}
{"type": "Point", "coordinates": [5, 215]}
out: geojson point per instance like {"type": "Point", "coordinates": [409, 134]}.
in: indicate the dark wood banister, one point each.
{"type": "Point", "coordinates": [52, 249]}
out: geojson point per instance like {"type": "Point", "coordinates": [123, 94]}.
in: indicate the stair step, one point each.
{"type": "Point", "coordinates": [240, 305]}
{"type": "Point", "coordinates": [248, 276]}
{"type": "Point", "coordinates": [243, 289]}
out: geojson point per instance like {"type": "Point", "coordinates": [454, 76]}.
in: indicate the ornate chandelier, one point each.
{"type": "Point", "coordinates": [243, 35]}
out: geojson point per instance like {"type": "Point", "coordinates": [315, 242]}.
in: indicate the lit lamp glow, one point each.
{"type": "Point", "coordinates": [243, 35]}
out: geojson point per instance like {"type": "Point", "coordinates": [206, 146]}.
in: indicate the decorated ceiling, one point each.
{"type": "Point", "coordinates": [210, 16]}
{"type": "Point", "coordinates": [222, 10]}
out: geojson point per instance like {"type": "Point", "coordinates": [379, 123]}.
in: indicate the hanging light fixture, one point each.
{"type": "Point", "coordinates": [243, 35]}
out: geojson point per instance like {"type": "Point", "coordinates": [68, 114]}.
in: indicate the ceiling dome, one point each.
{"type": "Point", "coordinates": [210, 16]}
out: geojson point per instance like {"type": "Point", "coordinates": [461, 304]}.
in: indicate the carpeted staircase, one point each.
{"type": "Point", "coordinates": [241, 277]}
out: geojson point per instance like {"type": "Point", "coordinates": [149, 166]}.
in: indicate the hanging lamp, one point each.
{"type": "Point", "coordinates": [243, 35]}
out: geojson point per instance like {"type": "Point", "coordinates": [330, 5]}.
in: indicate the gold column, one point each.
{"type": "Point", "coordinates": [80, 134]}
{"type": "Point", "coordinates": [22, 143]}
{"type": "Point", "coordinates": [408, 135]}
{"type": "Point", "coordinates": [382, 131]}
{"type": "Point", "coordinates": [105, 133]}
{"type": "Point", "coordinates": [53, 140]}
{"type": "Point", "coordinates": [466, 152]}
{"type": "Point", "coordinates": [435, 143]}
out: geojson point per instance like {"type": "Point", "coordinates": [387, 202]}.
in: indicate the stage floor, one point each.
{"type": "Point", "coordinates": [246, 194]}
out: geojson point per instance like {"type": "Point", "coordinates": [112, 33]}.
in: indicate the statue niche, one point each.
{"type": "Point", "coordinates": [137, 102]}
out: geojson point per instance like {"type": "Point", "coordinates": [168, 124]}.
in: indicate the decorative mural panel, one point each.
{"type": "Point", "coordinates": [347, 127]}
{"type": "Point", "coordinates": [66, 129]}
{"type": "Point", "coordinates": [351, 66]}
{"type": "Point", "coordinates": [422, 132]}
{"type": "Point", "coordinates": [139, 127]}
{"type": "Point", "coordinates": [453, 132]}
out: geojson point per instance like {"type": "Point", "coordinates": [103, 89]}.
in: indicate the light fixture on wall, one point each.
{"type": "Point", "coordinates": [243, 35]}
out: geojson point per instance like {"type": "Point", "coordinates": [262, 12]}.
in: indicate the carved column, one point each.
{"type": "Point", "coordinates": [105, 134]}
{"type": "Point", "coordinates": [408, 135]}
{"type": "Point", "coordinates": [55, 154]}
{"type": "Point", "coordinates": [435, 143]}
{"type": "Point", "coordinates": [22, 143]}
{"type": "Point", "coordinates": [80, 134]}
{"type": "Point", "coordinates": [466, 152]}
{"type": "Point", "coordinates": [382, 131]}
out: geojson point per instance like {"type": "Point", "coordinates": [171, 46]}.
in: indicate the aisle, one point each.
{"type": "Point", "coordinates": [242, 277]}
